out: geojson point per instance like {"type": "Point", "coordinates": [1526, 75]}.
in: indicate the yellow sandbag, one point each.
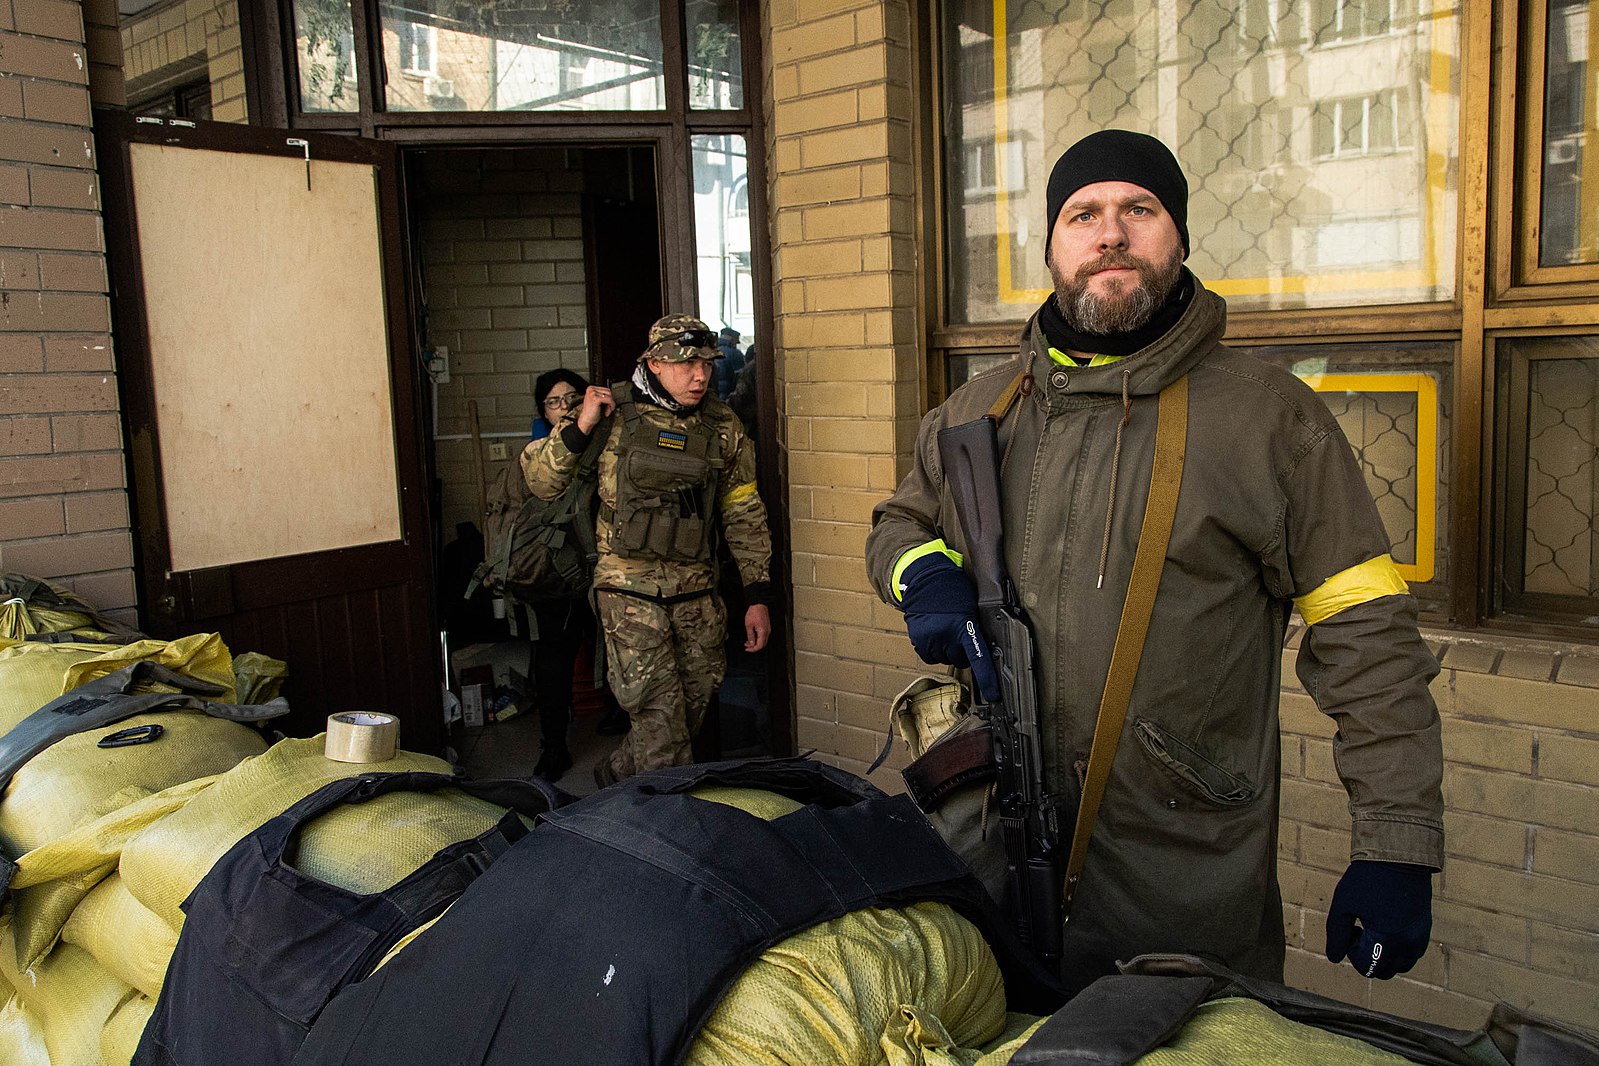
{"type": "Point", "coordinates": [162, 865]}
{"type": "Point", "coordinates": [258, 678]}
{"type": "Point", "coordinates": [1246, 1032]}
{"type": "Point", "coordinates": [74, 781]}
{"type": "Point", "coordinates": [366, 847]}
{"type": "Point", "coordinates": [21, 1039]}
{"type": "Point", "coordinates": [33, 674]}
{"type": "Point", "coordinates": [52, 880]}
{"type": "Point", "coordinates": [120, 1037]}
{"type": "Point", "coordinates": [1019, 1028]}
{"type": "Point", "coordinates": [124, 936]}
{"type": "Point", "coordinates": [901, 986]}
{"type": "Point", "coordinates": [198, 655]}
{"type": "Point", "coordinates": [70, 997]}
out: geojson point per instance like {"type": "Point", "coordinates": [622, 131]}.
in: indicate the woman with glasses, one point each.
{"type": "Point", "coordinates": [564, 624]}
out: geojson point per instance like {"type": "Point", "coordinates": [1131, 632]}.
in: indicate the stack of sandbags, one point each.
{"type": "Point", "coordinates": [98, 908]}
{"type": "Point", "coordinates": [30, 607]}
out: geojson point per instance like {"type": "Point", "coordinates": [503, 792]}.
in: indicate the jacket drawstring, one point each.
{"type": "Point", "coordinates": [1115, 460]}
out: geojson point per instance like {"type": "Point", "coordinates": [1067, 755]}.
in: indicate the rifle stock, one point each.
{"type": "Point", "coordinates": [969, 454]}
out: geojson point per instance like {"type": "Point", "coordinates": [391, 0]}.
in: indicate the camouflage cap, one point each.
{"type": "Point", "coordinates": [679, 338]}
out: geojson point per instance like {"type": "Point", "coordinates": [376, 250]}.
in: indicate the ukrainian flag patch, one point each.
{"type": "Point", "coordinates": [671, 440]}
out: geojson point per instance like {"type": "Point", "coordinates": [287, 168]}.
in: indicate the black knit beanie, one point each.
{"type": "Point", "coordinates": [1119, 155]}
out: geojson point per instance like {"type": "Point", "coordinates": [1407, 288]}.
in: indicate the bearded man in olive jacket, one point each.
{"type": "Point", "coordinates": [1273, 514]}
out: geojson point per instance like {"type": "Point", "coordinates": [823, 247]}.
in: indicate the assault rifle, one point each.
{"type": "Point", "coordinates": [1034, 863]}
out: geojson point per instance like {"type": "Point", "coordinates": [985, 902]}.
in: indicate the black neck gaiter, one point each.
{"type": "Point", "coordinates": [1063, 338]}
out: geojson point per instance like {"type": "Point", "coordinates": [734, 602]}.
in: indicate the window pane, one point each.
{"type": "Point", "coordinates": [1570, 224]}
{"type": "Point", "coordinates": [1320, 140]}
{"type": "Point", "coordinates": [715, 55]}
{"type": "Point", "coordinates": [324, 43]}
{"type": "Point", "coordinates": [1393, 402]}
{"type": "Point", "coordinates": [184, 61]}
{"type": "Point", "coordinates": [722, 236]}
{"type": "Point", "coordinates": [523, 55]}
{"type": "Point", "coordinates": [1559, 479]}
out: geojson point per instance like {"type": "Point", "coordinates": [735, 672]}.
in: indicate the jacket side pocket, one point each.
{"type": "Point", "coordinates": [1197, 773]}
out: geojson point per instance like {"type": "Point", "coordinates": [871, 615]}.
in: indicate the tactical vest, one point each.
{"type": "Point", "coordinates": [666, 486]}
{"type": "Point", "coordinates": [610, 933]}
{"type": "Point", "coordinates": [264, 946]}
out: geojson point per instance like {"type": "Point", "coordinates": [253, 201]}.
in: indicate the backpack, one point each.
{"type": "Point", "coordinates": [541, 549]}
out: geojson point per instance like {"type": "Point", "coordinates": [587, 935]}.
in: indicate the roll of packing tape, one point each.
{"type": "Point", "coordinates": [362, 736]}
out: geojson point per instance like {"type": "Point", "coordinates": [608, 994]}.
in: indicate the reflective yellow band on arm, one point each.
{"type": "Point", "coordinates": [1370, 580]}
{"type": "Point", "coordinates": [921, 551]}
{"type": "Point", "coordinates": [738, 494]}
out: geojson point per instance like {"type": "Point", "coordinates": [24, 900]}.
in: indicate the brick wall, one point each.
{"type": "Point", "coordinates": [502, 267]}
{"type": "Point", "coordinates": [1517, 917]}
{"type": "Point", "coordinates": [177, 35]}
{"type": "Point", "coordinates": [63, 505]}
{"type": "Point", "coordinates": [843, 188]}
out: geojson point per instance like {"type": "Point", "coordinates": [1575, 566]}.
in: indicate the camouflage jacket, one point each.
{"type": "Point", "coordinates": [549, 464]}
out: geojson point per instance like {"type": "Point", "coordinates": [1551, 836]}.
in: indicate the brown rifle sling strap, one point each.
{"type": "Point", "coordinates": [1171, 438]}
{"type": "Point", "coordinates": [1002, 405]}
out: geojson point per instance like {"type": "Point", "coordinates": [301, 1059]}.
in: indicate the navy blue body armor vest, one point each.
{"type": "Point", "coordinates": [610, 933]}
{"type": "Point", "coordinates": [264, 946]}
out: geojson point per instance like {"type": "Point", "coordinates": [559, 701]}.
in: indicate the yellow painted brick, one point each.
{"type": "Point", "coordinates": [1475, 929]}
{"type": "Point", "coordinates": [1294, 927]}
{"type": "Point", "coordinates": [1488, 978]}
{"type": "Point", "coordinates": [889, 619]}
{"type": "Point", "coordinates": [819, 186]}
{"type": "Point", "coordinates": [861, 65]}
{"type": "Point", "coordinates": [877, 178]}
{"type": "Point", "coordinates": [810, 733]}
{"type": "Point", "coordinates": [800, 42]}
{"type": "Point", "coordinates": [829, 538]}
{"type": "Point", "coordinates": [1315, 804]}
{"type": "Point", "coordinates": [858, 218]}
{"type": "Point", "coordinates": [1290, 680]}
{"type": "Point", "coordinates": [869, 364]}
{"type": "Point", "coordinates": [832, 398]}
{"type": "Point", "coordinates": [877, 647]}
{"type": "Point", "coordinates": [785, 81]}
{"type": "Point", "coordinates": [814, 329]}
{"type": "Point", "coordinates": [843, 573]}
{"type": "Point", "coordinates": [813, 637]}
{"type": "Point", "coordinates": [1319, 764]}
{"type": "Point", "coordinates": [889, 681]}
{"type": "Point", "coordinates": [1293, 755]}
{"type": "Point", "coordinates": [798, 431]}
{"type": "Point", "coordinates": [1483, 839]}
{"type": "Point", "coordinates": [1568, 758]}
{"type": "Point", "coordinates": [820, 259]}
{"type": "Point", "coordinates": [845, 506]}
{"type": "Point", "coordinates": [1299, 714]}
{"type": "Point", "coordinates": [827, 671]}
{"type": "Point", "coordinates": [1306, 886]}
{"type": "Point", "coordinates": [1429, 1003]}
{"type": "Point", "coordinates": [857, 144]}
{"type": "Point", "coordinates": [859, 435]}
{"type": "Point", "coordinates": [856, 744]}
{"type": "Point", "coordinates": [1569, 855]}
{"type": "Point", "coordinates": [871, 102]}
{"type": "Point", "coordinates": [885, 473]}
{"type": "Point", "coordinates": [807, 468]}
{"type": "Point", "coordinates": [1530, 895]}
{"type": "Point", "coordinates": [788, 154]}
{"type": "Point", "coordinates": [831, 605]}
{"type": "Point", "coordinates": [1481, 744]}
{"type": "Point", "coordinates": [869, 24]}
{"type": "Point", "coordinates": [1324, 849]}
{"type": "Point", "coordinates": [790, 227]}
{"type": "Point", "coordinates": [841, 293]}
{"type": "Point", "coordinates": [1567, 952]}
{"type": "Point", "coordinates": [1493, 698]}
{"type": "Point", "coordinates": [808, 113]}
{"type": "Point", "coordinates": [1546, 803]}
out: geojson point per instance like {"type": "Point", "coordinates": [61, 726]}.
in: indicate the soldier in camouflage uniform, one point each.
{"type": "Point", "coordinates": [676, 468]}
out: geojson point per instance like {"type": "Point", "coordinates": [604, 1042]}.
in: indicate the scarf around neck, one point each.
{"type": "Point", "coordinates": [1066, 339]}
{"type": "Point", "coordinates": [651, 389]}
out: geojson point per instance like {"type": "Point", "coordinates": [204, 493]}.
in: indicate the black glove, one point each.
{"type": "Point", "coordinates": [941, 618]}
{"type": "Point", "coordinates": [1393, 903]}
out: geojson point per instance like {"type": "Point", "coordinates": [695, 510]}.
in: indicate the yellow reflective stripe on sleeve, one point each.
{"type": "Point", "coordinates": [1371, 580]}
{"type": "Point", "coordinates": [738, 494]}
{"type": "Point", "coordinates": [921, 551]}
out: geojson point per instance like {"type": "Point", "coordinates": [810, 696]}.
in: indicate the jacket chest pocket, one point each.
{"type": "Point", "coordinates": [1193, 770]}
{"type": "Point", "coordinates": [664, 504]}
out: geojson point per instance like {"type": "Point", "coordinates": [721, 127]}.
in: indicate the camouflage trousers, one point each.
{"type": "Point", "coordinates": [664, 663]}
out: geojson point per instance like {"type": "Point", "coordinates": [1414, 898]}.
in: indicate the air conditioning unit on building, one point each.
{"type": "Point", "coordinates": [438, 87]}
{"type": "Point", "coordinates": [1563, 151]}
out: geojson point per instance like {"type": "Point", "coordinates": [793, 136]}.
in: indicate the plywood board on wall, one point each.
{"type": "Point", "coordinates": [269, 351]}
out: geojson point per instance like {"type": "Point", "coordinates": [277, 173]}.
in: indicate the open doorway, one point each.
{"type": "Point", "coordinates": [528, 259]}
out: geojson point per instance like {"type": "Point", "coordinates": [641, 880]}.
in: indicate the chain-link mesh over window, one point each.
{"type": "Point", "coordinates": [1320, 139]}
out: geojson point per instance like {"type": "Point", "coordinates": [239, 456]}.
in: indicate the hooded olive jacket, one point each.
{"type": "Point", "coordinates": [1272, 508]}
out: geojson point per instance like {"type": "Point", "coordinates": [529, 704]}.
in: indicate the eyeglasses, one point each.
{"type": "Point", "coordinates": [692, 338]}
{"type": "Point", "coordinates": [566, 402]}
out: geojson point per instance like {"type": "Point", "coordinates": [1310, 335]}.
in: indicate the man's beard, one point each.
{"type": "Point", "coordinates": [1121, 311]}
